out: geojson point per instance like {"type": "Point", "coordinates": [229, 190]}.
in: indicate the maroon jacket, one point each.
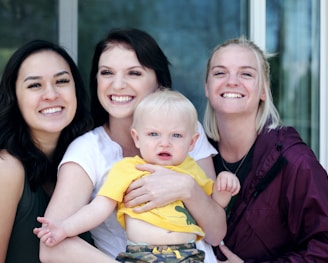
{"type": "Point", "coordinates": [281, 212]}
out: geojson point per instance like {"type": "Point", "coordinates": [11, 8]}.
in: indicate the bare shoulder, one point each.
{"type": "Point", "coordinates": [11, 189]}
{"type": "Point", "coordinates": [8, 162]}
{"type": "Point", "coordinates": [11, 171]}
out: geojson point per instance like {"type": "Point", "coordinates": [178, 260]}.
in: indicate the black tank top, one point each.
{"type": "Point", "coordinates": [23, 244]}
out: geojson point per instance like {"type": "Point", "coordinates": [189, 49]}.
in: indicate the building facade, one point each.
{"type": "Point", "coordinates": [294, 30]}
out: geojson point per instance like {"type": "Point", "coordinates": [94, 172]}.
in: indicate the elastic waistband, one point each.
{"type": "Point", "coordinates": [159, 248]}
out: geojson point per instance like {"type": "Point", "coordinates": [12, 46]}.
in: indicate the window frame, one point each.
{"type": "Point", "coordinates": [323, 140]}
{"type": "Point", "coordinates": [68, 38]}
{"type": "Point", "coordinates": [68, 26]}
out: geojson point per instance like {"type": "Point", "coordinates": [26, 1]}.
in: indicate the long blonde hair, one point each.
{"type": "Point", "coordinates": [267, 114]}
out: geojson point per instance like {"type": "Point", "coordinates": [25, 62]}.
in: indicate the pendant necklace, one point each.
{"type": "Point", "coordinates": [239, 166]}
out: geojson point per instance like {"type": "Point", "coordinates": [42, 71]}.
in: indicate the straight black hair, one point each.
{"type": "Point", "coordinates": [15, 135]}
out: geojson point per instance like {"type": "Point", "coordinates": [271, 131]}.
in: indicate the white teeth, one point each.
{"type": "Point", "coordinates": [51, 110]}
{"type": "Point", "coordinates": [231, 95]}
{"type": "Point", "coordinates": [121, 98]}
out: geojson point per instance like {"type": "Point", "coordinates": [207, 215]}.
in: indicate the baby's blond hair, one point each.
{"type": "Point", "coordinates": [166, 102]}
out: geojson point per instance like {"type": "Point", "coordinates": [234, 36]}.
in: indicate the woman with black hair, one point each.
{"type": "Point", "coordinates": [43, 108]}
{"type": "Point", "coordinates": [127, 66]}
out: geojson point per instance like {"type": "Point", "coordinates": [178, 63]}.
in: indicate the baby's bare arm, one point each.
{"type": "Point", "coordinates": [52, 232]}
{"type": "Point", "coordinates": [88, 217]}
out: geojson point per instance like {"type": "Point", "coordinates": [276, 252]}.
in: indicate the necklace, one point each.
{"type": "Point", "coordinates": [238, 167]}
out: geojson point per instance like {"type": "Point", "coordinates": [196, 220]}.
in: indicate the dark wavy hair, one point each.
{"type": "Point", "coordinates": [15, 135]}
{"type": "Point", "coordinates": [148, 52]}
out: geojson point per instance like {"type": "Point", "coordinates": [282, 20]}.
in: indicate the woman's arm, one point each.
{"type": "Point", "coordinates": [73, 190]}
{"type": "Point", "coordinates": [165, 186]}
{"type": "Point", "coordinates": [207, 213]}
{"type": "Point", "coordinates": [74, 250]}
{"type": "Point", "coordinates": [208, 167]}
{"type": "Point", "coordinates": [11, 188]}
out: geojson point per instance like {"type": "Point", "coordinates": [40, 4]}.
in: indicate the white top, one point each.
{"type": "Point", "coordinates": [96, 152]}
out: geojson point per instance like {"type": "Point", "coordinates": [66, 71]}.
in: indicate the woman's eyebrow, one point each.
{"type": "Point", "coordinates": [61, 73]}
{"type": "Point", "coordinates": [31, 78]}
{"type": "Point", "coordinates": [38, 77]}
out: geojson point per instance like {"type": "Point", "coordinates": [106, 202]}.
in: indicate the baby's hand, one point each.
{"type": "Point", "coordinates": [50, 233]}
{"type": "Point", "coordinates": [227, 181]}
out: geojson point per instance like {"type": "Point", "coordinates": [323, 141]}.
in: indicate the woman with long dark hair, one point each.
{"type": "Point", "coordinates": [43, 108]}
{"type": "Point", "coordinates": [128, 65]}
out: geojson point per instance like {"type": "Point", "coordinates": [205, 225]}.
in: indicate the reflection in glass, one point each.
{"type": "Point", "coordinates": [22, 21]}
{"type": "Point", "coordinates": [293, 34]}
